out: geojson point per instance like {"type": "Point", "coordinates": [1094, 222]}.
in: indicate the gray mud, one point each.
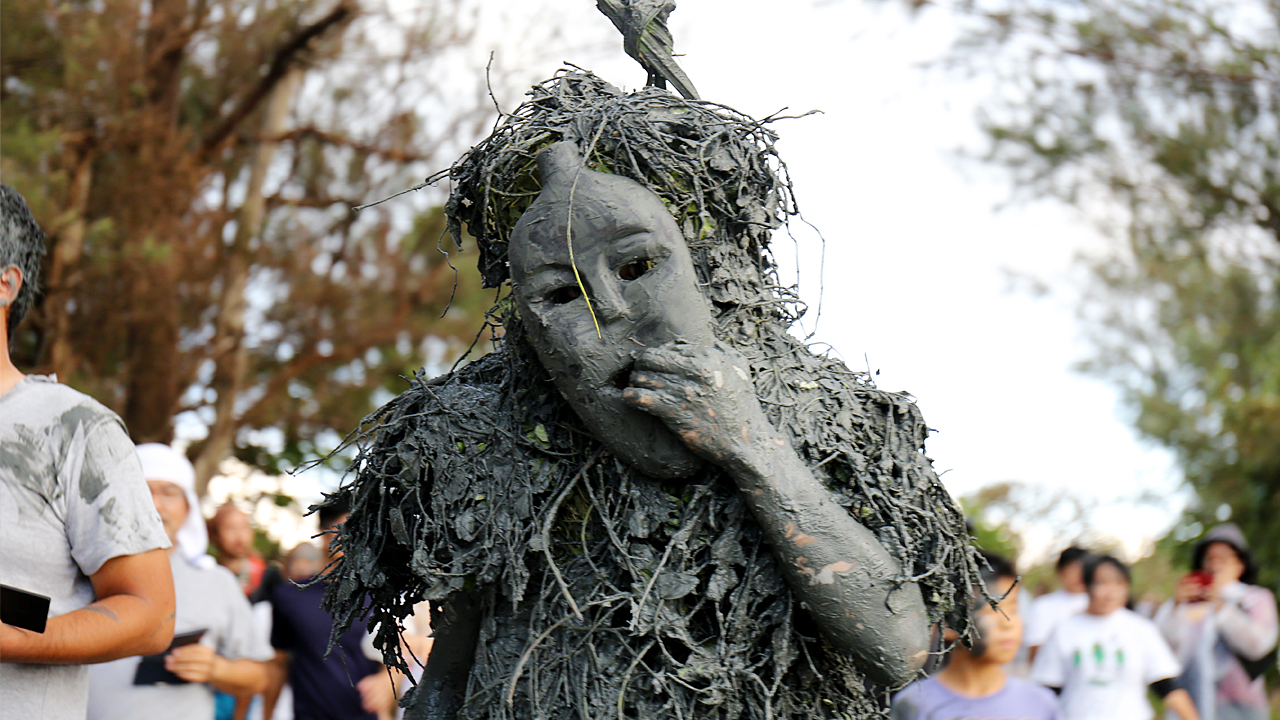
{"type": "Point", "coordinates": [603, 592]}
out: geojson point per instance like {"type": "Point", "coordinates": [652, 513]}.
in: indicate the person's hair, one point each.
{"type": "Point", "coordinates": [334, 508]}
{"type": "Point", "coordinates": [1093, 562]}
{"type": "Point", "coordinates": [1250, 574]}
{"type": "Point", "coordinates": [1069, 556]}
{"type": "Point", "coordinates": [21, 244]}
{"type": "Point", "coordinates": [992, 568]}
{"type": "Point", "coordinates": [214, 523]}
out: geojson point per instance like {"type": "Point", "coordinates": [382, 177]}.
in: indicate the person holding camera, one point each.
{"type": "Point", "coordinates": [1223, 628]}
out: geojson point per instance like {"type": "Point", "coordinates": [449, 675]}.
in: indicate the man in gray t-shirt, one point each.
{"type": "Point", "coordinates": [76, 521]}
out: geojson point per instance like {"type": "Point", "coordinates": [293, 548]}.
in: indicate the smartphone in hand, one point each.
{"type": "Point", "coordinates": [23, 609]}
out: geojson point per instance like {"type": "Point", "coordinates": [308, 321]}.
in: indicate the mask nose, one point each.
{"type": "Point", "coordinates": [610, 304]}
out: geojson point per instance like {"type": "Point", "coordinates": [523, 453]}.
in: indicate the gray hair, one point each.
{"type": "Point", "coordinates": [21, 244]}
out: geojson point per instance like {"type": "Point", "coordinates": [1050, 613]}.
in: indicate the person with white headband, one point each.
{"type": "Point", "coordinates": [217, 644]}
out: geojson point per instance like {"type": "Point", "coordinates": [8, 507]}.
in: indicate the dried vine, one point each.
{"type": "Point", "coordinates": [607, 593]}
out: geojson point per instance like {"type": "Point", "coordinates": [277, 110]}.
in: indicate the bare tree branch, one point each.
{"type": "Point", "coordinates": [280, 64]}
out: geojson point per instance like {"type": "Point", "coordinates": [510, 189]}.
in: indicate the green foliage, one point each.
{"type": "Point", "coordinates": [1162, 121]}
{"type": "Point", "coordinates": [990, 536]}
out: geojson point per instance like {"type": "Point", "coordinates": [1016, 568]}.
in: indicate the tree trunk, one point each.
{"type": "Point", "coordinates": [230, 354]}
{"type": "Point", "coordinates": [62, 262]}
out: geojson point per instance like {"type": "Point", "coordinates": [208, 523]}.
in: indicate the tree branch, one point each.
{"type": "Point", "coordinates": [280, 64]}
{"type": "Point", "coordinates": [329, 138]}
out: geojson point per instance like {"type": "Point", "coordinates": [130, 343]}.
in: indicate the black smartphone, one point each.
{"type": "Point", "coordinates": [23, 609]}
{"type": "Point", "coordinates": [151, 670]}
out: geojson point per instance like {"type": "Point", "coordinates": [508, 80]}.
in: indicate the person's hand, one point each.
{"type": "Point", "coordinates": [1217, 592]}
{"type": "Point", "coordinates": [377, 694]}
{"type": "Point", "coordinates": [704, 395]}
{"type": "Point", "coordinates": [1188, 590]}
{"type": "Point", "coordinates": [193, 663]}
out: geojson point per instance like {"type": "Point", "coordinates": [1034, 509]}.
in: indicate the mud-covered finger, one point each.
{"type": "Point", "coordinates": [674, 358]}
{"type": "Point", "coordinates": [663, 402]}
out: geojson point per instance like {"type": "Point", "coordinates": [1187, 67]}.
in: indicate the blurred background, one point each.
{"type": "Point", "coordinates": [1055, 224]}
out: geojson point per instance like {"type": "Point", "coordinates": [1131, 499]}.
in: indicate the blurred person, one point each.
{"type": "Point", "coordinates": [975, 682]}
{"type": "Point", "coordinates": [227, 651]}
{"type": "Point", "coordinates": [345, 684]}
{"type": "Point", "coordinates": [1103, 660]}
{"type": "Point", "coordinates": [1223, 628]}
{"type": "Point", "coordinates": [231, 533]}
{"type": "Point", "coordinates": [416, 640]}
{"type": "Point", "coordinates": [84, 549]}
{"type": "Point", "coordinates": [1050, 609]}
{"type": "Point", "coordinates": [303, 562]}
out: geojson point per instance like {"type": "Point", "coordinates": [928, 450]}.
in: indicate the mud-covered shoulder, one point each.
{"type": "Point", "coordinates": [441, 495]}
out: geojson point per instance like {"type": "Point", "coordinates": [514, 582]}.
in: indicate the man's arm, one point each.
{"type": "Point", "coordinates": [378, 691]}
{"type": "Point", "coordinates": [1179, 701]}
{"type": "Point", "coordinates": [279, 672]}
{"type": "Point", "coordinates": [133, 615]}
{"type": "Point", "coordinates": [202, 664]}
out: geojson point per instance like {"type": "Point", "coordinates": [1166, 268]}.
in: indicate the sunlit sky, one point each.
{"type": "Point", "coordinates": [914, 279]}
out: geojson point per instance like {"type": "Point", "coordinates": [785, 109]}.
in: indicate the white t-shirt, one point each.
{"type": "Point", "coordinates": [1104, 664]}
{"type": "Point", "coordinates": [1048, 611]}
{"type": "Point", "coordinates": [72, 497]}
{"type": "Point", "coordinates": [207, 599]}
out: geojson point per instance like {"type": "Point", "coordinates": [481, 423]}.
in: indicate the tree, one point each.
{"type": "Point", "coordinates": [194, 163]}
{"type": "Point", "coordinates": [1162, 122]}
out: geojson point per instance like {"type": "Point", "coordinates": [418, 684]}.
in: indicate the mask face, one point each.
{"type": "Point", "coordinates": [636, 271]}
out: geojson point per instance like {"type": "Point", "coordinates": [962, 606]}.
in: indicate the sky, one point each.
{"type": "Point", "coordinates": [914, 278]}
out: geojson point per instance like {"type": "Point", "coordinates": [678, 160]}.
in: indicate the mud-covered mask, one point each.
{"type": "Point", "coordinates": [636, 270]}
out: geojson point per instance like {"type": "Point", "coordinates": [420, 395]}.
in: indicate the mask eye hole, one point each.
{"type": "Point", "coordinates": [634, 269]}
{"type": "Point", "coordinates": [564, 295]}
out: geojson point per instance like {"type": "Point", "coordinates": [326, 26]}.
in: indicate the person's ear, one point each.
{"type": "Point", "coordinates": [10, 284]}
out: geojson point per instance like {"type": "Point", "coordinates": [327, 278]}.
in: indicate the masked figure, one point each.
{"type": "Point", "coordinates": [650, 501]}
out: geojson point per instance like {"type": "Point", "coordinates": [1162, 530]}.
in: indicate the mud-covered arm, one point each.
{"type": "Point", "coordinates": [443, 687]}
{"type": "Point", "coordinates": [849, 583]}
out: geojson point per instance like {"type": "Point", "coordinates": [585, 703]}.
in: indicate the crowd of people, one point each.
{"type": "Point", "coordinates": [112, 605]}
{"type": "Point", "coordinates": [113, 602]}
{"type": "Point", "coordinates": [1089, 655]}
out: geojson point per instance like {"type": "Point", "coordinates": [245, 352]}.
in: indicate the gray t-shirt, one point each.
{"type": "Point", "coordinates": [72, 497]}
{"type": "Point", "coordinates": [208, 599]}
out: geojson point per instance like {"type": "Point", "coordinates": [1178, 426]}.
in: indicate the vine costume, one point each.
{"type": "Point", "coordinates": [570, 583]}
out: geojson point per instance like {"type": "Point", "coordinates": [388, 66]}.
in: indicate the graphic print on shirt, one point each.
{"type": "Point", "coordinates": [1100, 664]}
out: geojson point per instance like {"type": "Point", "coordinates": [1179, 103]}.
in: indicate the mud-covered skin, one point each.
{"type": "Point", "coordinates": [641, 292]}
{"type": "Point", "coordinates": [600, 590]}
{"type": "Point", "coordinates": [637, 347]}
{"type": "Point", "coordinates": [836, 566]}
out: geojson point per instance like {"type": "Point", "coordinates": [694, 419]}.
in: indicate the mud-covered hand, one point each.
{"type": "Point", "coordinates": [851, 585]}
{"type": "Point", "coordinates": [705, 395]}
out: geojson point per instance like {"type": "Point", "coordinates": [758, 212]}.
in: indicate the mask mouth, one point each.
{"type": "Point", "coordinates": [622, 380]}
